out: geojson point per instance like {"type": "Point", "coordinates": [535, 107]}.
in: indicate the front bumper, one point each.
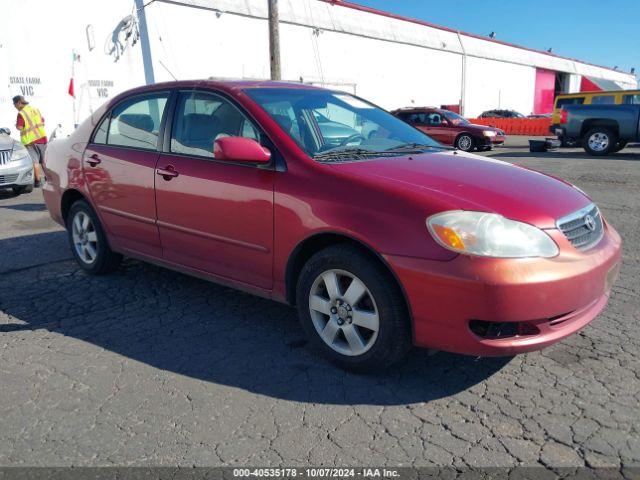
{"type": "Point", "coordinates": [16, 176]}
{"type": "Point", "coordinates": [491, 141]}
{"type": "Point", "coordinates": [554, 297]}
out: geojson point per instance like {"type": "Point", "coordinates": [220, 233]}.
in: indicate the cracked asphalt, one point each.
{"type": "Point", "coordinates": [151, 367]}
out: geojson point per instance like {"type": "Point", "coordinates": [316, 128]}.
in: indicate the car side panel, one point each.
{"type": "Point", "coordinates": [122, 190]}
{"type": "Point", "coordinates": [63, 166]}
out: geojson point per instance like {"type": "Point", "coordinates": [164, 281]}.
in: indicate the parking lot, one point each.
{"type": "Point", "coordinates": [152, 367]}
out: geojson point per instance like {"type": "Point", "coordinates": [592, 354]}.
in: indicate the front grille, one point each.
{"type": "Point", "coordinates": [9, 178]}
{"type": "Point", "coordinates": [583, 228]}
{"type": "Point", "coordinates": [5, 156]}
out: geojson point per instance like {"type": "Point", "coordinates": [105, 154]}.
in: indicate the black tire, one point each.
{"type": "Point", "coordinates": [608, 141]}
{"type": "Point", "coordinates": [20, 189]}
{"type": "Point", "coordinates": [566, 143]}
{"type": "Point", "coordinates": [106, 260]}
{"type": "Point", "coordinates": [619, 146]}
{"type": "Point", "coordinates": [393, 338]}
{"type": "Point", "coordinates": [465, 142]}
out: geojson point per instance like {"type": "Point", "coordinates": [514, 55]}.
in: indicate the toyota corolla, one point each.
{"type": "Point", "coordinates": [381, 238]}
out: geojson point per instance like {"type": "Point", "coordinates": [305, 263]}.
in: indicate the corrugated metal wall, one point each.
{"type": "Point", "coordinates": [390, 61]}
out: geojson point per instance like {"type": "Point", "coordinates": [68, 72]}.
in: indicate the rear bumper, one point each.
{"type": "Point", "coordinates": [549, 299]}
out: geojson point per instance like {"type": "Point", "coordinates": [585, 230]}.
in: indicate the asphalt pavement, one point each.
{"type": "Point", "coordinates": [152, 367]}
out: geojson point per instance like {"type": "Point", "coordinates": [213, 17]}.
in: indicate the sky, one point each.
{"type": "Point", "coordinates": [602, 32]}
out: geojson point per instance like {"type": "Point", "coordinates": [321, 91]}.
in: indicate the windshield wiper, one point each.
{"type": "Point", "coordinates": [348, 153]}
{"type": "Point", "coordinates": [417, 147]}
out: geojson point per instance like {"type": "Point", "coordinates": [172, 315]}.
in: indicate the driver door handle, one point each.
{"type": "Point", "coordinates": [167, 173]}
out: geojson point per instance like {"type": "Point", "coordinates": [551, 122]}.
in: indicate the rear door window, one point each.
{"type": "Point", "coordinates": [603, 100]}
{"type": "Point", "coordinates": [631, 99]}
{"type": "Point", "coordinates": [136, 122]}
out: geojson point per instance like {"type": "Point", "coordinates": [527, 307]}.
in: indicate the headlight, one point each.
{"type": "Point", "coordinates": [19, 154]}
{"type": "Point", "coordinates": [489, 133]}
{"type": "Point", "coordinates": [489, 235]}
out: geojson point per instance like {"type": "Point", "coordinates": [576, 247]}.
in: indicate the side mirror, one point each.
{"type": "Point", "coordinates": [240, 149]}
{"type": "Point", "coordinates": [6, 131]}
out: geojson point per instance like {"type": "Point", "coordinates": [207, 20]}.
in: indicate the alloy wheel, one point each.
{"type": "Point", "coordinates": [598, 142]}
{"type": "Point", "coordinates": [85, 237]}
{"type": "Point", "coordinates": [465, 142]}
{"type": "Point", "coordinates": [344, 312]}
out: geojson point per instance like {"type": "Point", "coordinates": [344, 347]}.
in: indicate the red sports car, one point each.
{"type": "Point", "coordinates": [449, 128]}
{"type": "Point", "coordinates": [381, 238]}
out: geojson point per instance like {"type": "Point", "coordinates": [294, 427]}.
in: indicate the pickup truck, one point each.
{"type": "Point", "coordinates": [602, 129]}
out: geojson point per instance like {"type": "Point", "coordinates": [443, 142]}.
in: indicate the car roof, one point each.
{"type": "Point", "coordinates": [225, 85]}
{"type": "Point", "coordinates": [417, 109]}
{"type": "Point", "coordinates": [599, 92]}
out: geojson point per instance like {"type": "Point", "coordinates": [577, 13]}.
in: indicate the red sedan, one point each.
{"type": "Point", "coordinates": [381, 237]}
{"type": "Point", "coordinates": [449, 128]}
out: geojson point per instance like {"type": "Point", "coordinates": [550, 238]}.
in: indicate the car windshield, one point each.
{"type": "Point", "coordinates": [335, 126]}
{"type": "Point", "coordinates": [454, 118]}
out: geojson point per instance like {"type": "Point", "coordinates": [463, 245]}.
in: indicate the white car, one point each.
{"type": "Point", "coordinates": [16, 166]}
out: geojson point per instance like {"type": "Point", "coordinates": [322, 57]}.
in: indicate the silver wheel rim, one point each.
{"type": "Point", "coordinates": [85, 238]}
{"type": "Point", "coordinates": [464, 143]}
{"type": "Point", "coordinates": [598, 142]}
{"type": "Point", "coordinates": [344, 312]}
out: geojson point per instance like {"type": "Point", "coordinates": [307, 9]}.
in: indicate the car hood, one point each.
{"type": "Point", "coordinates": [471, 182]}
{"type": "Point", "coordinates": [6, 142]}
{"type": "Point", "coordinates": [475, 126]}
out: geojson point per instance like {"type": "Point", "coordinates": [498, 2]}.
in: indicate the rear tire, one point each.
{"type": "Point", "coordinates": [89, 242]}
{"type": "Point", "coordinates": [465, 142]}
{"type": "Point", "coordinates": [352, 310]}
{"type": "Point", "coordinates": [599, 141]}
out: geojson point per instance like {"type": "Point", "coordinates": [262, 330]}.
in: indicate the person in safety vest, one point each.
{"type": "Point", "coordinates": [30, 124]}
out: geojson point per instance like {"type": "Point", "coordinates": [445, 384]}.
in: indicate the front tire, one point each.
{"type": "Point", "coordinates": [88, 241]}
{"type": "Point", "coordinates": [352, 310]}
{"type": "Point", "coordinates": [599, 141]}
{"type": "Point", "coordinates": [19, 190]}
{"type": "Point", "coordinates": [465, 142]}
{"type": "Point", "coordinates": [619, 146]}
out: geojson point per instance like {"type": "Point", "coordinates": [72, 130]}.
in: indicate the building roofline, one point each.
{"type": "Point", "coordinates": [375, 11]}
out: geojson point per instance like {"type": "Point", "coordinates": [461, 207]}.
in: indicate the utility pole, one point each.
{"type": "Point", "coordinates": [274, 40]}
{"type": "Point", "coordinates": [145, 45]}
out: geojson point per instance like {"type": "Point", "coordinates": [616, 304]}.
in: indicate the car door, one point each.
{"type": "Point", "coordinates": [119, 166]}
{"type": "Point", "coordinates": [214, 216]}
{"type": "Point", "coordinates": [437, 130]}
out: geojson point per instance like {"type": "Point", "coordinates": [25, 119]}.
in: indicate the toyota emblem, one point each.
{"type": "Point", "coordinates": [590, 223]}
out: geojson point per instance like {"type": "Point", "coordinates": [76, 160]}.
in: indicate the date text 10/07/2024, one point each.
{"type": "Point", "coordinates": [316, 472]}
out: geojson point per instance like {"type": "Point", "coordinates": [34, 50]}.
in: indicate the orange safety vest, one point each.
{"type": "Point", "coordinates": [33, 125]}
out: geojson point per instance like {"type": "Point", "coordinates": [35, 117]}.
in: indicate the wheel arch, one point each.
{"type": "Point", "coordinates": [69, 197]}
{"type": "Point", "coordinates": [316, 242]}
{"type": "Point", "coordinates": [600, 122]}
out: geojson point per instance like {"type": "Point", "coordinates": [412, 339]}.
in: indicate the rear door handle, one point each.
{"type": "Point", "coordinates": [93, 160]}
{"type": "Point", "coordinates": [167, 173]}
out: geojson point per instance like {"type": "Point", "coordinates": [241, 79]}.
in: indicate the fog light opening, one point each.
{"type": "Point", "coordinates": [498, 330]}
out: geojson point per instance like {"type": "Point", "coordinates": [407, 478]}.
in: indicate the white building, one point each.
{"type": "Point", "coordinates": [110, 46]}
